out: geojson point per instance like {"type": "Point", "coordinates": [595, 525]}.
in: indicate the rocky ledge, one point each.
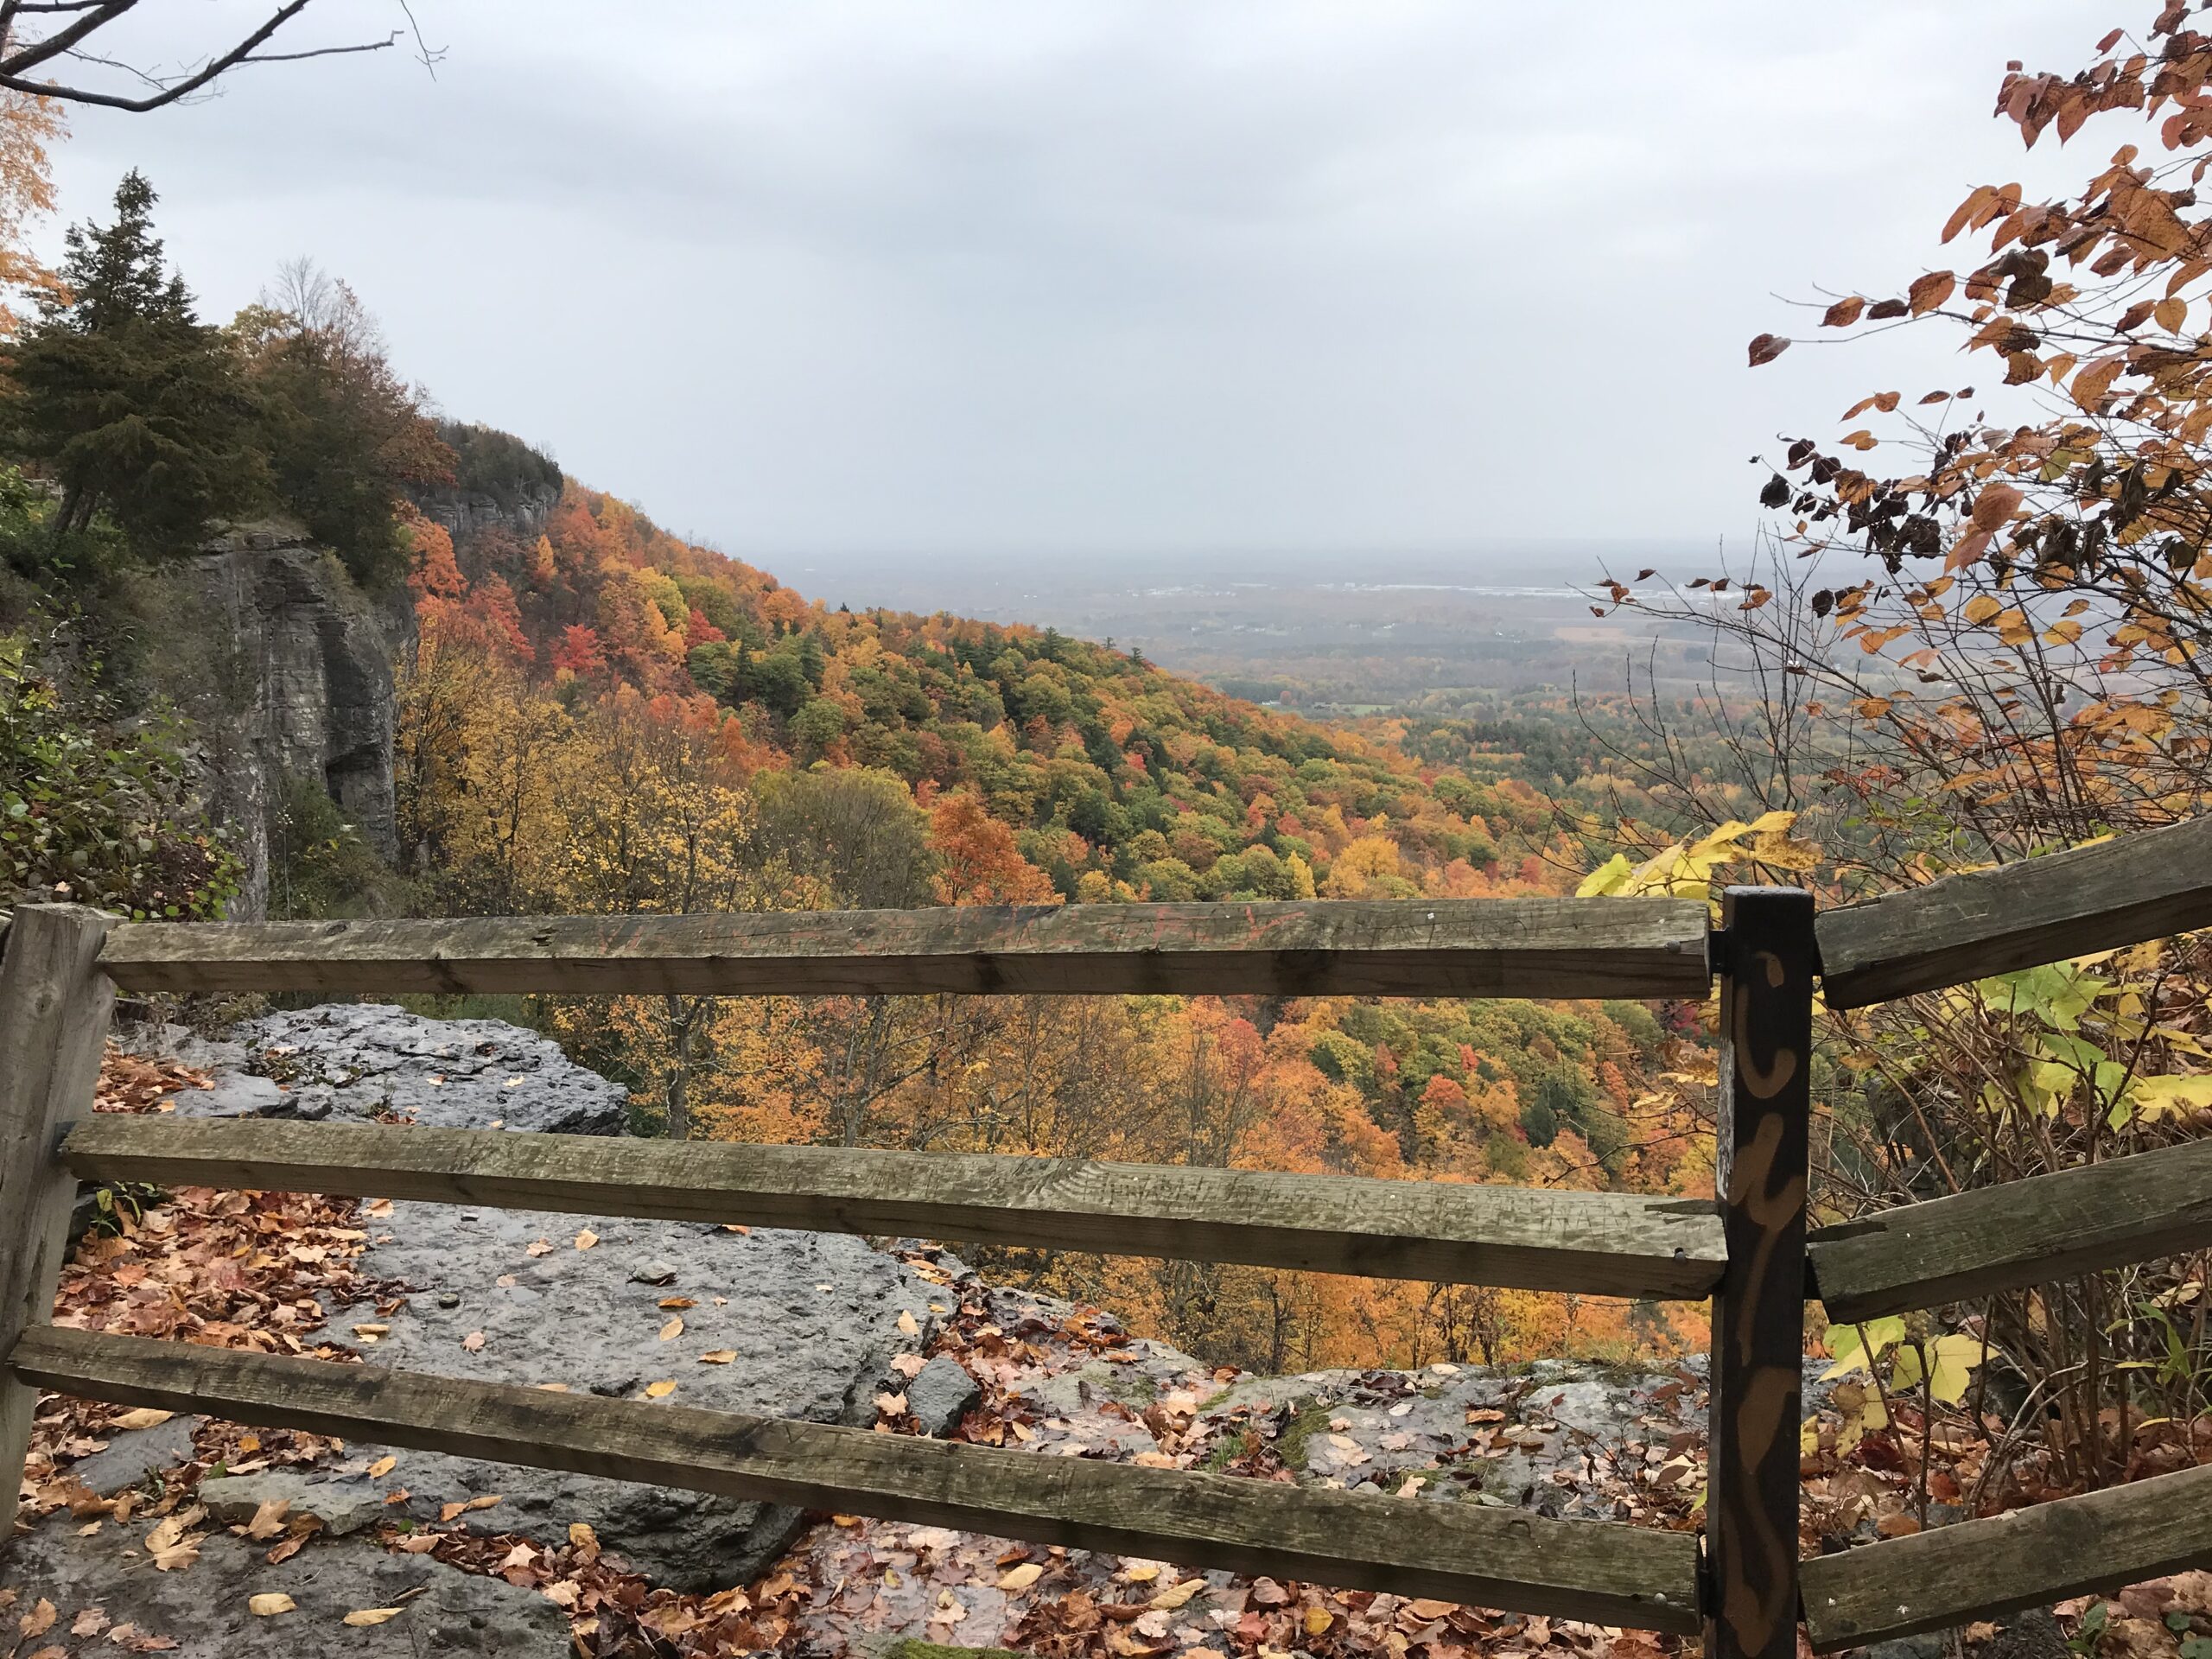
{"type": "Point", "coordinates": [179, 1535]}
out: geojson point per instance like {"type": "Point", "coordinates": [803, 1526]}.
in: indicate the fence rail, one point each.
{"type": "Point", "coordinates": [1458, 1552]}
{"type": "Point", "coordinates": [1748, 1248]}
{"type": "Point", "coordinates": [1444, 947]}
{"type": "Point", "coordinates": [1599, 1243]}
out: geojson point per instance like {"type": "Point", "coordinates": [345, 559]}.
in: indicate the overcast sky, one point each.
{"type": "Point", "coordinates": [813, 278]}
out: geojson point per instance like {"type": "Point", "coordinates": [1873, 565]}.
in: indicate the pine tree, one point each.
{"type": "Point", "coordinates": [138, 409]}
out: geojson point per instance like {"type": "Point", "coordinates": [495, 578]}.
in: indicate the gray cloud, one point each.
{"type": "Point", "coordinates": [873, 276]}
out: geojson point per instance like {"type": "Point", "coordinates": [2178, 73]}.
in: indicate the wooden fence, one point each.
{"type": "Point", "coordinates": [1748, 1250]}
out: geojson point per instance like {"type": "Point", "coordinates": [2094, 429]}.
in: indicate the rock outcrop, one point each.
{"type": "Point", "coordinates": [791, 1325]}
{"type": "Point", "coordinates": [308, 662]}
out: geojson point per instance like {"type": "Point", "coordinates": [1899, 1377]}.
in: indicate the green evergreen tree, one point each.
{"type": "Point", "coordinates": [137, 409]}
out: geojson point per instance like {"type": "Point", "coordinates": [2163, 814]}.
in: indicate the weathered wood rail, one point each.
{"type": "Point", "coordinates": [1748, 1248]}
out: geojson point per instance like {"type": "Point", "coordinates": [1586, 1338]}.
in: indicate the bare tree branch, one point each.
{"type": "Point", "coordinates": [19, 56]}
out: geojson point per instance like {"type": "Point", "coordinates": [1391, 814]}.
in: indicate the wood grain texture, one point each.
{"type": "Point", "coordinates": [54, 1017]}
{"type": "Point", "coordinates": [1460, 1552]}
{"type": "Point", "coordinates": [2018, 1233]}
{"type": "Point", "coordinates": [1441, 948]}
{"type": "Point", "coordinates": [1969, 926]}
{"type": "Point", "coordinates": [1599, 1243]}
{"type": "Point", "coordinates": [1759, 1318]}
{"type": "Point", "coordinates": [2025, 1558]}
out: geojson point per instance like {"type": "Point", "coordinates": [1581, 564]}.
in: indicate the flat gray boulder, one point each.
{"type": "Point", "coordinates": [105, 1580]}
{"type": "Point", "coordinates": [365, 1062]}
{"type": "Point", "coordinates": [778, 1323]}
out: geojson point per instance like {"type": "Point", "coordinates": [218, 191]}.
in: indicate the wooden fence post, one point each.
{"type": "Point", "coordinates": [1766, 962]}
{"type": "Point", "coordinates": [54, 1004]}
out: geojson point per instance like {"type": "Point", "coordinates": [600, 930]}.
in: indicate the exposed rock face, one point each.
{"type": "Point", "coordinates": [778, 1324]}
{"type": "Point", "coordinates": [370, 1062]}
{"type": "Point", "coordinates": [311, 663]}
{"type": "Point", "coordinates": [464, 513]}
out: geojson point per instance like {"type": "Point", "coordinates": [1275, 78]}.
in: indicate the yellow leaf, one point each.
{"type": "Point", "coordinates": [383, 1467]}
{"type": "Point", "coordinates": [361, 1615]}
{"type": "Point", "coordinates": [1317, 1620]}
{"type": "Point", "coordinates": [585, 1239]}
{"type": "Point", "coordinates": [661, 1389]}
{"type": "Point", "coordinates": [269, 1604]}
{"type": "Point", "coordinates": [672, 1330]}
{"type": "Point", "coordinates": [144, 1417]}
{"type": "Point", "coordinates": [1176, 1594]}
{"type": "Point", "coordinates": [1981, 607]}
{"type": "Point", "coordinates": [1607, 879]}
{"type": "Point", "coordinates": [1022, 1577]}
{"type": "Point", "coordinates": [906, 1326]}
{"type": "Point", "coordinates": [718, 1356]}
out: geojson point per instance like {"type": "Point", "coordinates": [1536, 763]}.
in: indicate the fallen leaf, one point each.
{"type": "Point", "coordinates": [1022, 1577]}
{"type": "Point", "coordinates": [1176, 1594]}
{"type": "Point", "coordinates": [90, 1622]}
{"type": "Point", "coordinates": [906, 1325]}
{"type": "Point", "coordinates": [661, 1389]}
{"type": "Point", "coordinates": [675, 1304]}
{"type": "Point", "coordinates": [561, 1593]}
{"type": "Point", "coordinates": [585, 1239]}
{"type": "Point", "coordinates": [268, 1519]}
{"type": "Point", "coordinates": [270, 1603]}
{"type": "Point", "coordinates": [361, 1615]}
{"type": "Point", "coordinates": [581, 1536]}
{"type": "Point", "coordinates": [541, 1247]}
{"type": "Point", "coordinates": [39, 1620]}
{"type": "Point", "coordinates": [718, 1356]}
{"type": "Point", "coordinates": [144, 1417]}
{"type": "Point", "coordinates": [473, 1343]}
{"type": "Point", "coordinates": [383, 1467]}
{"type": "Point", "coordinates": [672, 1330]}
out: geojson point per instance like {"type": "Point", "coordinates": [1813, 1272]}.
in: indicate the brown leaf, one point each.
{"type": "Point", "coordinates": [1766, 347]}
{"type": "Point", "coordinates": [39, 1620]}
{"type": "Point", "coordinates": [718, 1356]}
{"type": "Point", "coordinates": [1843, 313]}
{"type": "Point", "coordinates": [473, 1343]}
{"type": "Point", "coordinates": [585, 1239]}
{"type": "Point", "coordinates": [1994, 506]}
{"type": "Point", "coordinates": [1929, 291]}
{"type": "Point", "coordinates": [268, 1519]}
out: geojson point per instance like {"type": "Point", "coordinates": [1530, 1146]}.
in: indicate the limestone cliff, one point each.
{"type": "Point", "coordinates": [309, 661]}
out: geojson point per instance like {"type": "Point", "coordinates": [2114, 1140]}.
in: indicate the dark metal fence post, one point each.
{"type": "Point", "coordinates": [1766, 962]}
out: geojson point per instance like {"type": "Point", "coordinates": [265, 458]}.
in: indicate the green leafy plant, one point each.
{"type": "Point", "coordinates": [97, 810]}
